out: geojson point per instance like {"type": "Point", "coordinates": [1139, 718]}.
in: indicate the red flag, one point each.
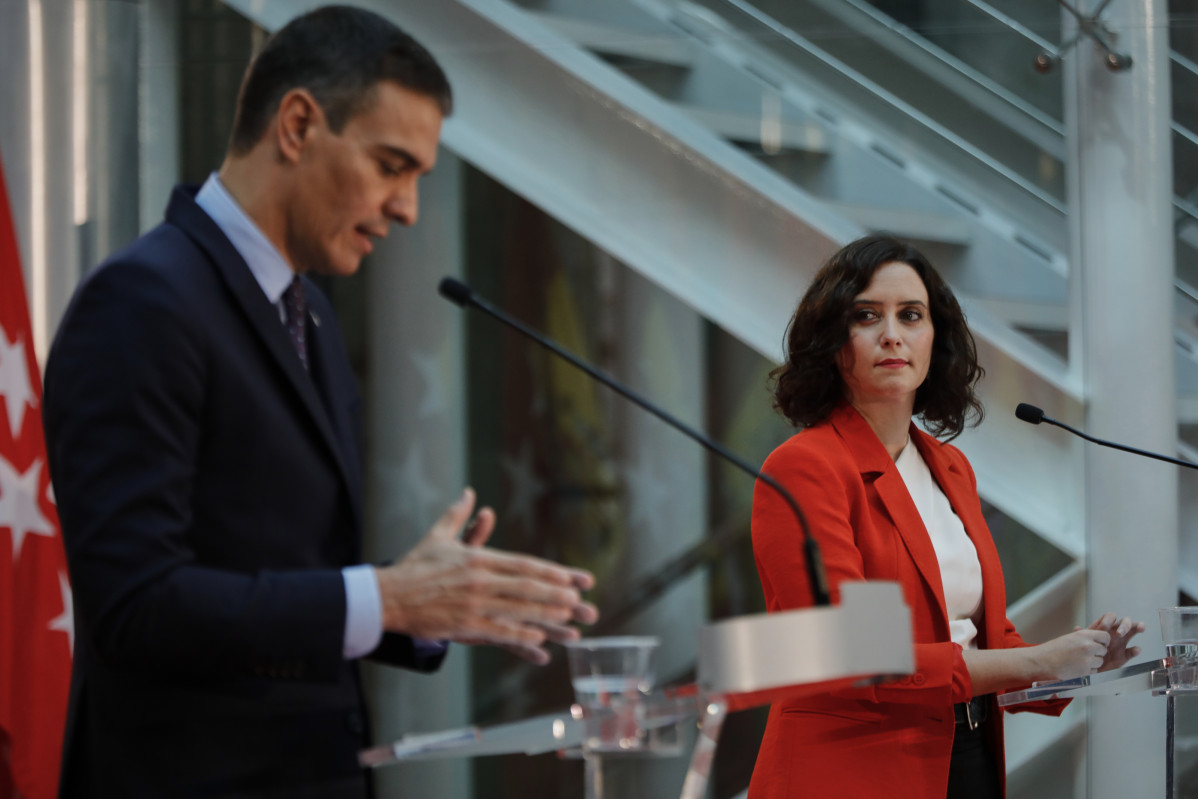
{"type": "Point", "coordinates": [37, 623]}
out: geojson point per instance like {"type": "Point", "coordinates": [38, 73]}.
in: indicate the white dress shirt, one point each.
{"type": "Point", "coordinates": [960, 572]}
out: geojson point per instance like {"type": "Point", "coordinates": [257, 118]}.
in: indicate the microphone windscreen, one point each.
{"type": "Point", "coordinates": [456, 291]}
{"type": "Point", "coordinates": [1029, 413]}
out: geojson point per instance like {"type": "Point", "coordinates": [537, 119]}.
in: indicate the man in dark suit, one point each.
{"type": "Point", "coordinates": [204, 433]}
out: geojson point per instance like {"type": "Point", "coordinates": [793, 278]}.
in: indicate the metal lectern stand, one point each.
{"type": "Point", "coordinates": [742, 662]}
{"type": "Point", "coordinates": [1169, 677]}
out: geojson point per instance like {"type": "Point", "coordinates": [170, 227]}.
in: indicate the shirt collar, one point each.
{"type": "Point", "coordinates": [266, 263]}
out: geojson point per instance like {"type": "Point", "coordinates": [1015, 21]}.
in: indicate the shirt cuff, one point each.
{"type": "Point", "coordinates": [363, 611]}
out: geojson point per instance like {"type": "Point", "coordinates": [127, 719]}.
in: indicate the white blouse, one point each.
{"type": "Point", "coordinates": [960, 572]}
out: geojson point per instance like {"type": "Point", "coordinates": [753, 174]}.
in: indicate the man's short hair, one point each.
{"type": "Point", "coordinates": [340, 54]}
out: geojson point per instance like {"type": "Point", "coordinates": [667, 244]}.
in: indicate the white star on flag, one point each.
{"type": "Point", "coordinates": [34, 668]}
{"type": "Point", "coordinates": [19, 509]}
{"type": "Point", "coordinates": [65, 622]}
{"type": "Point", "coordinates": [15, 385]}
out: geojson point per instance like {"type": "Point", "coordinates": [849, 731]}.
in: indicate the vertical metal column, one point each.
{"type": "Point", "coordinates": [115, 120]}
{"type": "Point", "coordinates": [416, 434]}
{"type": "Point", "coordinates": [55, 276]}
{"type": "Point", "coordinates": [159, 78]}
{"type": "Point", "coordinates": [1121, 279]}
{"type": "Point", "coordinates": [39, 83]}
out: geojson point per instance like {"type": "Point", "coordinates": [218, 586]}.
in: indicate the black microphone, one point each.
{"type": "Point", "coordinates": [459, 293]}
{"type": "Point", "coordinates": [1029, 413]}
{"type": "Point", "coordinates": [1033, 415]}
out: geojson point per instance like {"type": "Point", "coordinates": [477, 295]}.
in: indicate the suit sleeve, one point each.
{"type": "Point", "coordinates": [124, 400]}
{"type": "Point", "coordinates": [825, 490]}
{"type": "Point", "coordinates": [1048, 707]}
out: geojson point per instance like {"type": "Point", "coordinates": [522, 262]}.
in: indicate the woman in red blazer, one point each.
{"type": "Point", "coordinates": [876, 340]}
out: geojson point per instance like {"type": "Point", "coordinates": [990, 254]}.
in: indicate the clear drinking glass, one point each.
{"type": "Point", "coordinates": [1179, 631]}
{"type": "Point", "coordinates": [611, 676]}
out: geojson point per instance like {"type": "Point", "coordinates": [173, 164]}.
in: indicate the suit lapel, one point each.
{"type": "Point", "coordinates": [323, 353]}
{"type": "Point", "coordinates": [263, 319]}
{"type": "Point", "coordinates": [962, 495]}
{"type": "Point", "coordinates": [876, 465]}
{"type": "Point", "coordinates": [952, 481]}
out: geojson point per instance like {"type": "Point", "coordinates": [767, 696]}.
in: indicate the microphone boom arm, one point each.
{"type": "Point", "coordinates": [1033, 415]}
{"type": "Point", "coordinates": [1125, 448]}
{"type": "Point", "coordinates": [459, 293]}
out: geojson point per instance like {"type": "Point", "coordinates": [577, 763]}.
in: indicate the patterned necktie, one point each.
{"type": "Point", "coordinates": [295, 306]}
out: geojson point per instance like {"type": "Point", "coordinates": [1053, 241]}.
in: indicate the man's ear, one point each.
{"type": "Point", "coordinates": [298, 113]}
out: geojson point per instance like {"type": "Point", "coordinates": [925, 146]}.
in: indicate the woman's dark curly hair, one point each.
{"type": "Point", "coordinates": [808, 386]}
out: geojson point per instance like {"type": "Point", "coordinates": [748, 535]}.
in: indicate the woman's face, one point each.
{"type": "Point", "coordinates": [889, 350]}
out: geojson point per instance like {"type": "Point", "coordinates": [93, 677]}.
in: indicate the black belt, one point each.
{"type": "Point", "coordinates": [971, 713]}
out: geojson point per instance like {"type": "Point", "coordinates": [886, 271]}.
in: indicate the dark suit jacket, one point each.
{"type": "Point", "coordinates": [210, 490]}
{"type": "Point", "coordinates": [893, 739]}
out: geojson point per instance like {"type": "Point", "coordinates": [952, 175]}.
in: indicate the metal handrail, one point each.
{"type": "Point", "coordinates": [1185, 133]}
{"type": "Point", "coordinates": [1049, 47]}
{"type": "Point", "coordinates": [1186, 290]}
{"type": "Point", "coordinates": [1182, 61]}
{"type": "Point", "coordinates": [963, 69]}
{"type": "Point", "coordinates": [896, 102]}
{"type": "Point", "coordinates": [1179, 285]}
{"type": "Point", "coordinates": [1186, 207]}
{"type": "Point", "coordinates": [1014, 25]}
{"type": "Point", "coordinates": [954, 63]}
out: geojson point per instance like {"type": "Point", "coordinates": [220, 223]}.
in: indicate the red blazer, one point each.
{"type": "Point", "coordinates": [894, 739]}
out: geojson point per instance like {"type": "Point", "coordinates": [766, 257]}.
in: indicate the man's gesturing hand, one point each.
{"type": "Point", "coordinates": [455, 589]}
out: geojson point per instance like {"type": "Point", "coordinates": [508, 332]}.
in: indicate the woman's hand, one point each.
{"type": "Point", "coordinates": [1121, 632]}
{"type": "Point", "coordinates": [1071, 655]}
{"type": "Point", "coordinates": [1099, 647]}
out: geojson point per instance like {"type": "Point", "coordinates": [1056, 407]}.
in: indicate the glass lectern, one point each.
{"type": "Point", "coordinates": [742, 662]}
{"type": "Point", "coordinates": [1172, 677]}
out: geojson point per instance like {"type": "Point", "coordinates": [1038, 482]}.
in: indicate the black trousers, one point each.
{"type": "Point", "coordinates": [973, 773]}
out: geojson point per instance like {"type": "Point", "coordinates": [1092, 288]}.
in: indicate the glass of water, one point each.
{"type": "Point", "coordinates": [611, 676]}
{"type": "Point", "coordinates": [1179, 631]}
